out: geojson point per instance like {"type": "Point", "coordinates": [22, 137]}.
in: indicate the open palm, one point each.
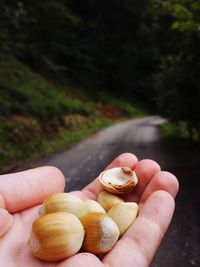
{"type": "Point", "coordinates": [22, 193]}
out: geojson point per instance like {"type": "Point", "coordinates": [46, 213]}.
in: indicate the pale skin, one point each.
{"type": "Point", "coordinates": [22, 193]}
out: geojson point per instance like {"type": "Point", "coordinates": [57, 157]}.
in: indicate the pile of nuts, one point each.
{"type": "Point", "coordinates": [68, 224]}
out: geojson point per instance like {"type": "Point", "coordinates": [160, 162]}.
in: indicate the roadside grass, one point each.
{"type": "Point", "coordinates": [129, 109]}
{"type": "Point", "coordinates": [102, 98]}
{"type": "Point", "coordinates": [68, 137]}
{"type": "Point", "coordinates": [179, 133]}
{"type": "Point", "coordinates": [30, 143]}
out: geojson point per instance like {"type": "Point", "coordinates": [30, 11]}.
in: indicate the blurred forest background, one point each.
{"type": "Point", "coordinates": [69, 67]}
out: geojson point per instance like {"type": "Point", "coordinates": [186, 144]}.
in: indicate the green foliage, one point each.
{"type": "Point", "coordinates": [177, 79]}
{"type": "Point", "coordinates": [184, 15]}
{"type": "Point", "coordinates": [127, 107]}
{"type": "Point", "coordinates": [19, 140]}
{"type": "Point", "coordinates": [179, 132]}
{"type": "Point", "coordinates": [26, 93]}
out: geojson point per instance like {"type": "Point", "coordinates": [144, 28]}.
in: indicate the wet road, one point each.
{"type": "Point", "coordinates": [83, 162]}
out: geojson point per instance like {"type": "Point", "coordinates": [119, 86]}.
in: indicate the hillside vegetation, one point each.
{"type": "Point", "coordinates": [38, 118]}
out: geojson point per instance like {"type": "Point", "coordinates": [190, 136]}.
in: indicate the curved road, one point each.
{"type": "Point", "coordinates": [84, 161]}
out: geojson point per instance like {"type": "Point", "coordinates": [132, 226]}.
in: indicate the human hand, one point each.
{"type": "Point", "coordinates": [22, 193]}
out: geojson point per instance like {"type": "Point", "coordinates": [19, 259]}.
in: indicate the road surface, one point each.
{"type": "Point", "coordinates": [84, 161]}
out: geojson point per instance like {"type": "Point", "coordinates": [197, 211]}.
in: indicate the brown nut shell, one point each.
{"type": "Point", "coordinates": [63, 202]}
{"type": "Point", "coordinates": [101, 233]}
{"type": "Point", "coordinates": [118, 180]}
{"type": "Point", "coordinates": [93, 206]}
{"type": "Point", "coordinates": [56, 236]}
{"type": "Point", "coordinates": [107, 200]}
{"type": "Point", "coordinates": [124, 215]}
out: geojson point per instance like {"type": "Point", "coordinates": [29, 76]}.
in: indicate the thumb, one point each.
{"type": "Point", "coordinates": [6, 220]}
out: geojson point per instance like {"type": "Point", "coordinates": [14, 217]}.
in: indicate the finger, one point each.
{"type": "Point", "coordinates": [94, 188]}
{"type": "Point", "coordinates": [125, 159]}
{"type": "Point", "coordinates": [6, 220]}
{"type": "Point", "coordinates": [139, 244]}
{"type": "Point", "coordinates": [161, 181]}
{"type": "Point", "coordinates": [145, 169]}
{"type": "Point", "coordinates": [25, 189]}
{"type": "Point", "coordinates": [82, 260]}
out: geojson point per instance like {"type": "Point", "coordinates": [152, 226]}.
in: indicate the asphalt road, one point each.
{"type": "Point", "coordinates": [84, 161]}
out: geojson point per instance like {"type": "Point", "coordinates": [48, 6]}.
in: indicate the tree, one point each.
{"type": "Point", "coordinates": [177, 81]}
